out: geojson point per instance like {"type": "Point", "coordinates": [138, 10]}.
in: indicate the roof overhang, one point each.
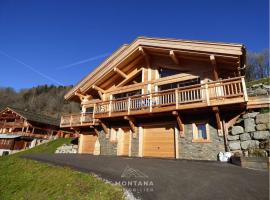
{"type": "Point", "coordinates": [118, 58]}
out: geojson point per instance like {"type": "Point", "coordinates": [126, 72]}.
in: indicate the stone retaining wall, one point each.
{"type": "Point", "coordinates": [67, 148]}
{"type": "Point", "coordinates": [250, 135]}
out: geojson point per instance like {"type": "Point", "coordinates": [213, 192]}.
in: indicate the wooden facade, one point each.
{"type": "Point", "coordinates": [25, 128]}
{"type": "Point", "coordinates": [154, 77]}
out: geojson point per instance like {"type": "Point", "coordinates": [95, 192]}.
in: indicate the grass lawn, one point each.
{"type": "Point", "coordinates": [27, 179]}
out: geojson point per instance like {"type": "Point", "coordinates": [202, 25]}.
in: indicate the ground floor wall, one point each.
{"type": "Point", "coordinates": [185, 146]}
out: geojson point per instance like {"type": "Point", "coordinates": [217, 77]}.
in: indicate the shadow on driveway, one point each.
{"type": "Point", "coordinates": [165, 179]}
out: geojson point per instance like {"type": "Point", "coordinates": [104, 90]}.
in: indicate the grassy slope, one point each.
{"type": "Point", "coordinates": [27, 179]}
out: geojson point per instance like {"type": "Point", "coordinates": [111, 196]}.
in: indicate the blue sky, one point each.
{"type": "Point", "coordinates": [61, 41]}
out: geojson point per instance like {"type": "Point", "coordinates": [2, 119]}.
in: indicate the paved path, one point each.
{"type": "Point", "coordinates": [170, 179]}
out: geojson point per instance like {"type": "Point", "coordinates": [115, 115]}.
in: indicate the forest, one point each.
{"type": "Point", "coordinates": [49, 100]}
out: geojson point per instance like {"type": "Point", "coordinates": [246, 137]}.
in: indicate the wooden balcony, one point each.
{"type": "Point", "coordinates": [78, 119]}
{"type": "Point", "coordinates": [223, 92]}
{"type": "Point", "coordinates": [228, 91]}
{"type": "Point", "coordinates": [15, 124]}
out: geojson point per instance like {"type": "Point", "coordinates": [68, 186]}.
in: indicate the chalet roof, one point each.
{"type": "Point", "coordinates": [9, 136]}
{"type": "Point", "coordinates": [35, 117]}
{"type": "Point", "coordinates": [218, 48]}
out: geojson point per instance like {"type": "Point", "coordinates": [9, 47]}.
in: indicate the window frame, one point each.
{"type": "Point", "coordinates": [195, 132]}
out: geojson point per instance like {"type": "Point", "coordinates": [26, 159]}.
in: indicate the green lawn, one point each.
{"type": "Point", "coordinates": [27, 179]}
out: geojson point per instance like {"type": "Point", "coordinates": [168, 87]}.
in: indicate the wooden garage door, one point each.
{"type": "Point", "coordinates": [159, 142]}
{"type": "Point", "coordinates": [87, 143]}
{"type": "Point", "coordinates": [124, 143]}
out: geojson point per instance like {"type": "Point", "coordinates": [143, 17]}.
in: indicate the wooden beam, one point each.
{"type": "Point", "coordinates": [214, 64]}
{"type": "Point", "coordinates": [132, 122]}
{"type": "Point", "coordinates": [129, 76]}
{"type": "Point", "coordinates": [105, 127]}
{"type": "Point", "coordinates": [179, 123]}
{"type": "Point", "coordinates": [82, 96]}
{"type": "Point", "coordinates": [218, 120]}
{"type": "Point", "coordinates": [174, 58]}
{"type": "Point", "coordinates": [96, 131]}
{"type": "Point", "coordinates": [98, 89]}
{"type": "Point", "coordinates": [120, 72]}
{"type": "Point", "coordinates": [145, 55]}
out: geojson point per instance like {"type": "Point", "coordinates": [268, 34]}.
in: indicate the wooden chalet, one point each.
{"type": "Point", "coordinates": [20, 129]}
{"type": "Point", "coordinates": [161, 98]}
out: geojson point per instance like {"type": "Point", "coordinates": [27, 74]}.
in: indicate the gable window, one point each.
{"type": "Point", "coordinates": [200, 132]}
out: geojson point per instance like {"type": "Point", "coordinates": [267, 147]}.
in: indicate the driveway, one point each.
{"type": "Point", "coordinates": [170, 179]}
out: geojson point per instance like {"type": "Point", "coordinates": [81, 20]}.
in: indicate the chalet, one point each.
{"type": "Point", "coordinates": [161, 98]}
{"type": "Point", "coordinates": [20, 129]}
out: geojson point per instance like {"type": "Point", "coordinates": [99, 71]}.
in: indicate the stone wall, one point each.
{"type": "Point", "coordinates": [70, 148]}
{"type": "Point", "coordinates": [135, 144]}
{"type": "Point", "coordinates": [200, 150]}
{"type": "Point", "coordinates": [258, 90]}
{"type": "Point", "coordinates": [106, 146]}
{"type": "Point", "coordinates": [250, 135]}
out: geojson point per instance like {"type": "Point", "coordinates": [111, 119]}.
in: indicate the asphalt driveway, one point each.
{"type": "Point", "coordinates": [170, 179]}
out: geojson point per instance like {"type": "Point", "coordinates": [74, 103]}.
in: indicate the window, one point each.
{"type": "Point", "coordinates": [179, 84]}
{"type": "Point", "coordinates": [167, 72]}
{"type": "Point", "coordinates": [127, 94]}
{"type": "Point", "coordinates": [200, 132]}
{"type": "Point", "coordinates": [89, 110]}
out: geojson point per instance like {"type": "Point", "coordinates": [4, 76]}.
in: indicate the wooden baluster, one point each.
{"type": "Point", "coordinates": [176, 99]}
{"type": "Point", "coordinates": [207, 94]}
{"type": "Point", "coordinates": [110, 106]}
{"type": "Point", "coordinates": [150, 99]}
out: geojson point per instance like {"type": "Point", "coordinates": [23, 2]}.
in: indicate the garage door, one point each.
{"type": "Point", "coordinates": [124, 143]}
{"type": "Point", "coordinates": [159, 142]}
{"type": "Point", "coordinates": [87, 143]}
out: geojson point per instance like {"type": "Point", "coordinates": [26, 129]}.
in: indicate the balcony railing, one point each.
{"type": "Point", "coordinates": [15, 124]}
{"type": "Point", "coordinates": [228, 91]}
{"type": "Point", "coordinates": [201, 95]}
{"type": "Point", "coordinates": [77, 119]}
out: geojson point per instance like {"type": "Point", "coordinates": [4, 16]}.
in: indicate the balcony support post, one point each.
{"type": "Point", "coordinates": [131, 122]}
{"type": "Point", "coordinates": [244, 89]}
{"type": "Point", "coordinates": [218, 120]}
{"type": "Point", "coordinates": [179, 123]}
{"type": "Point", "coordinates": [105, 128]}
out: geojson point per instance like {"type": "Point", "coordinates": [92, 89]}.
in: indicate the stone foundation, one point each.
{"type": "Point", "coordinates": [200, 150]}
{"type": "Point", "coordinates": [250, 135]}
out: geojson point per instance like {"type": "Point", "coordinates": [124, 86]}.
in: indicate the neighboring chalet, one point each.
{"type": "Point", "coordinates": [161, 98]}
{"type": "Point", "coordinates": [20, 129]}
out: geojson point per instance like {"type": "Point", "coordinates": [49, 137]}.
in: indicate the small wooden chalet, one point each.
{"type": "Point", "coordinates": [20, 129]}
{"type": "Point", "coordinates": [161, 98]}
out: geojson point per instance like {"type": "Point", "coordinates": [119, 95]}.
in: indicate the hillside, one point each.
{"type": "Point", "coordinates": [28, 179]}
{"type": "Point", "coordinates": [48, 100]}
